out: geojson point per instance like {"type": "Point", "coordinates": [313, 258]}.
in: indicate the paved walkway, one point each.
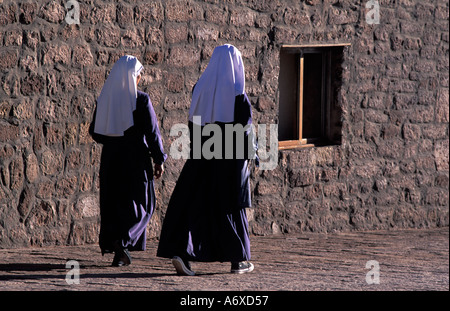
{"type": "Point", "coordinates": [409, 260]}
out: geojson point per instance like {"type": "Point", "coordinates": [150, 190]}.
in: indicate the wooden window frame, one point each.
{"type": "Point", "coordinates": [325, 50]}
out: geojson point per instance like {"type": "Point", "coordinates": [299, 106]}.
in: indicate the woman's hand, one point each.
{"type": "Point", "coordinates": [158, 171]}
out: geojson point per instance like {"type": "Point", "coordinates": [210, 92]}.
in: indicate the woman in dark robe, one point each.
{"type": "Point", "coordinates": [125, 123]}
{"type": "Point", "coordinates": [206, 218]}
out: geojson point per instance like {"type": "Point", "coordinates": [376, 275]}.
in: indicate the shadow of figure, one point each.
{"type": "Point", "coordinates": [59, 271]}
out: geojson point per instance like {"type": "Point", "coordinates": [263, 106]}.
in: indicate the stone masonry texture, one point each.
{"type": "Point", "coordinates": [391, 170]}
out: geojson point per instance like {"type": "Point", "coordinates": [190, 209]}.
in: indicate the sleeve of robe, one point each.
{"type": "Point", "coordinates": [243, 115]}
{"type": "Point", "coordinates": [148, 123]}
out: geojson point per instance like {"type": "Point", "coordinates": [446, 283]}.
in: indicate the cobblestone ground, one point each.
{"type": "Point", "coordinates": [409, 260]}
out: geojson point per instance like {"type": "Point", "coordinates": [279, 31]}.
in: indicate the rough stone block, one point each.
{"type": "Point", "coordinates": [183, 10]}
{"type": "Point", "coordinates": [302, 177]}
{"type": "Point", "coordinates": [152, 56]}
{"type": "Point", "coordinates": [66, 186]}
{"type": "Point", "coordinates": [74, 160]}
{"type": "Point", "coordinates": [52, 54]}
{"type": "Point", "coordinates": [412, 43]}
{"type": "Point", "coordinates": [442, 106]}
{"type": "Point", "coordinates": [26, 201]}
{"type": "Point", "coordinates": [102, 13]}
{"type": "Point", "coordinates": [8, 59]}
{"type": "Point", "coordinates": [183, 56]}
{"type": "Point", "coordinates": [176, 32]}
{"type": "Point", "coordinates": [265, 104]}
{"type": "Point", "coordinates": [28, 12]}
{"type": "Point", "coordinates": [31, 167]}
{"type": "Point", "coordinates": [8, 14]}
{"type": "Point", "coordinates": [53, 12]}
{"type": "Point", "coordinates": [16, 170]}
{"type": "Point", "coordinates": [82, 56]}
{"type": "Point", "coordinates": [412, 132]}
{"type": "Point", "coordinates": [88, 206]}
{"type": "Point", "coordinates": [207, 32]}
{"type": "Point", "coordinates": [341, 16]}
{"type": "Point", "coordinates": [50, 163]}
{"type": "Point", "coordinates": [154, 36]}
{"type": "Point", "coordinates": [108, 36]}
{"type": "Point", "coordinates": [42, 214]}
{"type": "Point", "coordinates": [441, 151]}
{"type": "Point", "coordinates": [151, 11]}
{"type": "Point", "coordinates": [95, 78]}
{"type": "Point", "coordinates": [131, 39]}
{"type": "Point", "coordinates": [174, 81]}
{"type": "Point", "coordinates": [13, 38]}
{"type": "Point", "coordinates": [297, 17]}
{"type": "Point", "coordinates": [125, 15]}
{"type": "Point", "coordinates": [215, 14]}
{"type": "Point", "coordinates": [31, 38]}
{"type": "Point", "coordinates": [28, 63]}
{"type": "Point", "coordinates": [8, 132]}
{"type": "Point", "coordinates": [242, 17]}
{"type": "Point", "coordinates": [176, 102]}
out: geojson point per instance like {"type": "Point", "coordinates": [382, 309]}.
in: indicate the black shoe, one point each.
{"type": "Point", "coordinates": [183, 267]}
{"type": "Point", "coordinates": [242, 267]}
{"type": "Point", "coordinates": [122, 257]}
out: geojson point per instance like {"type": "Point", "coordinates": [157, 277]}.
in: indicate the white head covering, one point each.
{"type": "Point", "coordinates": [117, 100]}
{"type": "Point", "coordinates": [223, 79]}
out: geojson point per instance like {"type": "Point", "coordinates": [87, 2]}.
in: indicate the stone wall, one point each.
{"type": "Point", "coordinates": [391, 170]}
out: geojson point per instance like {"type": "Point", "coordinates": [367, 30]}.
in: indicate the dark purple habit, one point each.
{"type": "Point", "coordinates": [127, 196]}
{"type": "Point", "coordinates": [206, 218]}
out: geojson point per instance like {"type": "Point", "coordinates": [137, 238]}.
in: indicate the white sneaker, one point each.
{"type": "Point", "coordinates": [182, 267]}
{"type": "Point", "coordinates": [242, 267]}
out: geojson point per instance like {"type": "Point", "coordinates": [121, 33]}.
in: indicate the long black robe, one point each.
{"type": "Point", "coordinates": [206, 218]}
{"type": "Point", "coordinates": [127, 196]}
